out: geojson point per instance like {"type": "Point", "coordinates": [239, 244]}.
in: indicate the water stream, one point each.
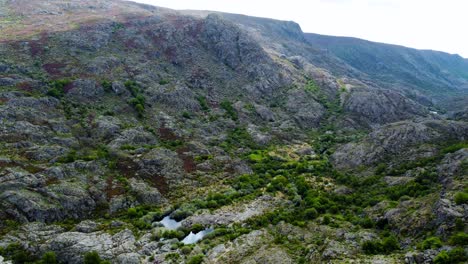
{"type": "Point", "coordinates": [191, 238]}
{"type": "Point", "coordinates": [170, 223]}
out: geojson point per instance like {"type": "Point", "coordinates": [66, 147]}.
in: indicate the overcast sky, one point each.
{"type": "Point", "coordinates": [423, 24]}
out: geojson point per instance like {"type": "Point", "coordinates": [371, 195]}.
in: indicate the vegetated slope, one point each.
{"type": "Point", "coordinates": [435, 74]}
{"type": "Point", "coordinates": [121, 113]}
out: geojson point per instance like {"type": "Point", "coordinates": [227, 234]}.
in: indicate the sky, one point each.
{"type": "Point", "coordinates": [422, 24]}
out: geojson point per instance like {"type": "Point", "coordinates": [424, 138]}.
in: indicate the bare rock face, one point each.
{"type": "Point", "coordinates": [72, 245]}
{"type": "Point", "coordinates": [397, 139]}
{"type": "Point", "coordinates": [306, 111]}
{"type": "Point", "coordinates": [234, 47]}
{"type": "Point", "coordinates": [377, 107]}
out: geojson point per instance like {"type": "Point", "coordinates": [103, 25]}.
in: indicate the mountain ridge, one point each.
{"type": "Point", "coordinates": [236, 130]}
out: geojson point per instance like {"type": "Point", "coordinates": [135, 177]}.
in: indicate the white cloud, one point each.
{"type": "Point", "coordinates": [422, 24]}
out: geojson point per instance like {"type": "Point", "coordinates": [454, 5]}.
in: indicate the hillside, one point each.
{"type": "Point", "coordinates": [440, 76]}
{"type": "Point", "coordinates": [138, 134]}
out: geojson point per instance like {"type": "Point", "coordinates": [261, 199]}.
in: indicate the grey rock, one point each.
{"type": "Point", "coordinates": [86, 226]}
{"type": "Point", "coordinates": [305, 110]}
{"type": "Point", "coordinates": [399, 139]}
{"type": "Point", "coordinates": [144, 193]}
{"type": "Point", "coordinates": [133, 137]}
{"type": "Point", "coordinates": [374, 107]}
{"type": "Point", "coordinates": [84, 89]}
{"type": "Point", "coordinates": [71, 246]}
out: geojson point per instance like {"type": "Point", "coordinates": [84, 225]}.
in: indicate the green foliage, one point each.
{"type": "Point", "coordinates": [312, 87]}
{"type": "Point", "coordinates": [385, 246]}
{"type": "Point", "coordinates": [172, 258]}
{"type": "Point", "coordinates": [186, 114]}
{"type": "Point", "coordinates": [455, 147]}
{"type": "Point", "coordinates": [49, 258]}
{"type": "Point", "coordinates": [380, 169]}
{"type": "Point", "coordinates": [456, 255]}
{"type": "Point", "coordinates": [198, 259]}
{"type": "Point", "coordinates": [117, 26]}
{"type": "Point", "coordinates": [138, 100]}
{"type": "Point", "coordinates": [138, 103]}
{"type": "Point", "coordinates": [311, 213]}
{"type": "Point", "coordinates": [278, 183]}
{"type": "Point", "coordinates": [461, 197]}
{"type": "Point", "coordinates": [230, 111]}
{"type": "Point", "coordinates": [390, 244]}
{"type": "Point", "coordinates": [238, 138]}
{"type": "Point", "coordinates": [333, 106]}
{"type": "Point", "coordinates": [179, 215]}
{"type": "Point", "coordinates": [431, 243]}
{"type": "Point", "coordinates": [203, 103]}
{"type": "Point", "coordinates": [163, 82]}
{"type": "Point", "coordinates": [460, 239]}
{"type": "Point", "coordinates": [326, 220]}
{"type": "Point", "coordinates": [57, 87]}
{"type": "Point", "coordinates": [186, 250]}
{"type": "Point", "coordinates": [168, 234]}
{"type": "Point", "coordinates": [442, 258]}
{"type": "Point", "coordinates": [92, 258]}
{"type": "Point", "coordinates": [17, 254]}
{"type": "Point", "coordinates": [366, 222]}
{"type": "Point", "coordinates": [133, 87]}
{"type": "Point", "coordinates": [107, 86]}
{"type": "Point", "coordinates": [142, 225]}
{"type": "Point", "coordinates": [70, 157]}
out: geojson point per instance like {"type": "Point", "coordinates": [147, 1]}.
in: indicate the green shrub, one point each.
{"type": "Point", "coordinates": [198, 259]}
{"type": "Point", "coordinates": [461, 198]}
{"type": "Point", "coordinates": [107, 86]}
{"type": "Point", "coordinates": [203, 103]}
{"type": "Point", "coordinates": [372, 247]}
{"type": "Point", "coordinates": [140, 109]}
{"type": "Point", "coordinates": [278, 183]}
{"type": "Point", "coordinates": [386, 246]}
{"type": "Point", "coordinates": [173, 257]}
{"type": "Point", "coordinates": [230, 111]}
{"type": "Point", "coordinates": [366, 222]}
{"type": "Point", "coordinates": [390, 244]}
{"type": "Point", "coordinates": [163, 82]}
{"type": "Point", "coordinates": [186, 114]}
{"type": "Point", "coordinates": [455, 147]}
{"type": "Point", "coordinates": [132, 212]}
{"type": "Point", "coordinates": [57, 87]}
{"type": "Point", "coordinates": [326, 220]}
{"type": "Point", "coordinates": [442, 258]}
{"type": "Point", "coordinates": [186, 250]}
{"type": "Point", "coordinates": [431, 243]}
{"type": "Point", "coordinates": [456, 255]}
{"type": "Point", "coordinates": [140, 224]}
{"type": "Point", "coordinates": [460, 239]}
{"type": "Point", "coordinates": [133, 87]}
{"type": "Point", "coordinates": [180, 215]}
{"type": "Point", "coordinates": [49, 258]}
{"type": "Point", "coordinates": [173, 234]}
{"type": "Point", "coordinates": [92, 258]}
{"type": "Point", "coordinates": [70, 157]}
{"type": "Point", "coordinates": [311, 213]}
{"type": "Point", "coordinates": [17, 254]}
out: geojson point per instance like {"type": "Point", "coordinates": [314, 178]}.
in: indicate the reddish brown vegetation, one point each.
{"type": "Point", "coordinates": [54, 69]}
{"type": "Point", "coordinates": [189, 162]}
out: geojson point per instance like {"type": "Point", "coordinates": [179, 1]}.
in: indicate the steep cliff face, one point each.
{"type": "Point", "coordinates": [118, 114]}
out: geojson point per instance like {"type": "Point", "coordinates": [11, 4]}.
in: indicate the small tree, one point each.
{"type": "Point", "coordinates": [49, 258]}
{"type": "Point", "coordinates": [92, 258]}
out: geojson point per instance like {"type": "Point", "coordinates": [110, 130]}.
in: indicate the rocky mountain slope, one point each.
{"type": "Point", "coordinates": [129, 132]}
{"type": "Point", "coordinates": [437, 75]}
